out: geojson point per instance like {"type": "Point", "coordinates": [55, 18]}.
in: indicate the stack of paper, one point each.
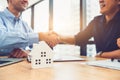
{"type": "Point", "coordinates": [106, 64]}
{"type": "Point", "coordinates": [67, 58]}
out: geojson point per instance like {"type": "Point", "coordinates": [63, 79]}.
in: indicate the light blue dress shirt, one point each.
{"type": "Point", "coordinates": [14, 33]}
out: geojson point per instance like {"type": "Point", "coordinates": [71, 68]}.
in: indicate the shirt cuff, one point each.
{"type": "Point", "coordinates": [33, 38]}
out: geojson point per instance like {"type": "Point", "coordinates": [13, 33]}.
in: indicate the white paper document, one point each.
{"type": "Point", "coordinates": [106, 64]}
{"type": "Point", "coordinates": [67, 58]}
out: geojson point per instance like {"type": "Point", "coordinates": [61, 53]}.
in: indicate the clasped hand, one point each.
{"type": "Point", "coordinates": [19, 53]}
{"type": "Point", "coordinates": [51, 38]}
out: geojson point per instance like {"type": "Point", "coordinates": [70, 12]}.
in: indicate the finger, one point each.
{"type": "Point", "coordinates": [19, 54]}
{"type": "Point", "coordinates": [49, 43]}
{"type": "Point", "coordinates": [12, 53]}
{"type": "Point", "coordinates": [16, 53]}
{"type": "Point", "coordinates": [22, 54]}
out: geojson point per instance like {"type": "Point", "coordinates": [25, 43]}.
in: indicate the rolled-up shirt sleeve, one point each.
{"type": "Point", "coordinates": [33, 38]}
{"type": "Point", "coordinates": [16, 40]}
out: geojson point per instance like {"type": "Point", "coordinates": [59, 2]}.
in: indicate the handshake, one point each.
{"type": "Point", "coordinates": [51, 38]}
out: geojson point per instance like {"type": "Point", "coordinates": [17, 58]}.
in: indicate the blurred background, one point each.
{"type": "Point", "coordinates": [66, 17]}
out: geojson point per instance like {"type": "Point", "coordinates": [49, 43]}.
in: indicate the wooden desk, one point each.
{"type": "Point", "coordinates": [59, 71]}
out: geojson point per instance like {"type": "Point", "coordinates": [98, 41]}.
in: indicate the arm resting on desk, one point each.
{"type": "Point", "coordinates": [113, 54]}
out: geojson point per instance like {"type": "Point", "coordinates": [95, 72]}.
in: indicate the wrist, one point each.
{"type": "Point", "coordinates": [99, 54]}
{"type": "Point", "coordinates": [41, 36]}
{"type": "Point", "coordinates": [61, 40]}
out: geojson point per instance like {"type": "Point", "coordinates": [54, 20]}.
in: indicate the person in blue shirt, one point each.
{"type": "Point", "coordinates": [105, 29]}
{"type": "Point", "coordinates": [15, 34]}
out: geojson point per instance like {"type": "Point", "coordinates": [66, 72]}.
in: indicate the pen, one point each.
{"type": "Point", "coordinates": [112, 59]}
{"type": "Point", "coordinates": [29, 58]}
{"type": "Point", "coordinates": [118, 60]}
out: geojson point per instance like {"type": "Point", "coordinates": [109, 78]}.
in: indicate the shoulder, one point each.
{"type": "Point", "coordinates": [1, 13]}
{"type": "Point", "coordinates": [96, 19]}
{"type": "Point", "coordinates": [99, 17]}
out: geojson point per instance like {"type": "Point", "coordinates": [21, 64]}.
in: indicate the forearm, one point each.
{"type": "Point", "coordinates": [112, 54]}
{"type": "Point", "coordinates": [17, 39]}
{"type": "Point", "coordinates": [67, 39]}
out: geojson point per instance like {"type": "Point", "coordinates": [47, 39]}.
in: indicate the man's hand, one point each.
{"type": "Point", "coordinates": [18, 53]}
{"type": "Point", "coordinates": [118, 42]}
{"type": "Point", "coordinates": [50, 38]}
